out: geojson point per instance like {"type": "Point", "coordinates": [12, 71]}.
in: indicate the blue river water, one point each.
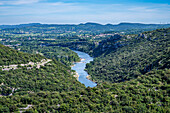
{"type": "Point", "coordinates": [80, 66]}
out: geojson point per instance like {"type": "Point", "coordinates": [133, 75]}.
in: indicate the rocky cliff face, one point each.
{"type": "Point", "coordinates": [107, 45]}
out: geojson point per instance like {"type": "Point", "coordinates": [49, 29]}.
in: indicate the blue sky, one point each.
{"type": "Point", "coordinates": [82, 11]}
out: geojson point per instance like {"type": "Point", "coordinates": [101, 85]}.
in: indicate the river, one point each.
{"type": "Point", "coordinates": [80, 66]}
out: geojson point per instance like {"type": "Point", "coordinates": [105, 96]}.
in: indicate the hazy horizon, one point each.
{"type": "Point", "coordinates": [83, 23]}
{"type": "Point", "coordinates": [14, 12]}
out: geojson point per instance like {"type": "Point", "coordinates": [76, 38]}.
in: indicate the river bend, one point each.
{"type": "Point", "coordinates": [80, 66]}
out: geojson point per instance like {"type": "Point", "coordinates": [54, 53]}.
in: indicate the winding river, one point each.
{"type": "Point", "coordinates": [80, 66]}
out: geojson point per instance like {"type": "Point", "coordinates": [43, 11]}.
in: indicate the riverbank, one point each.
{"type": "Point", "coordinates": [76, 75]}
{"type": "Point", "coordinates": [79, 67]}
{"type": "Point", "coordinates": [89, 78]}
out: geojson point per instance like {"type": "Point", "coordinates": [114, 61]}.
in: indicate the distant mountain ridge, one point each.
{"type": "Point", "coordinates": [18, 26]}
{"type": "Point", "coordinates": [106, 27]}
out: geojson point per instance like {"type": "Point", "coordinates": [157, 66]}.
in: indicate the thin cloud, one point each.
{"type": "Point", "coordinates": [42, 9]}
{"type": "Point", "coordinates": [17, 2]}
{"type": "Point", "coordinates": [142, 9]}
{"type": "Point", "coordinates": [61, 3]}
{"type": "Point", "coordinates": [61, 12]}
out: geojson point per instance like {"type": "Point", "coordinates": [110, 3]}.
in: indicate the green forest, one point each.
{"type": "Point", "coordinates": [129, 57]}
{"type": "Point", "coordinates": [147, 93]}
{"type": "Point", "coordinates": [131, 70]}
{"type": "Point", "coordinates": [61, 54]}
{"type": "Point", "coordinates": [10, 56]}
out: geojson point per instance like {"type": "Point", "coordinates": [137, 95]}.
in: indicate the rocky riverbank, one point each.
{"type": "Point", "coordinates": [76, 75]}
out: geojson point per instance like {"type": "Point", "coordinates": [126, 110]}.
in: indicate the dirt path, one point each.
{"type": "Point", "coordinates": [38, 65]}
{"type": "Point", "coordinates": [23, 109]}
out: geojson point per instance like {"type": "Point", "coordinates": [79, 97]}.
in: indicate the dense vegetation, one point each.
{"type": "Point", "coordinates": [119, 58]}
{"type": "Point", "coordinates": [148, 93]}
{"type": "Point", "coordinates": [131, 56]}
{"type": "Point", "coordinates": [10, 56]}
{"type": "Point", "coordinates": [54, 76]}
{"type": "Point", "coordinates": [64, 55]}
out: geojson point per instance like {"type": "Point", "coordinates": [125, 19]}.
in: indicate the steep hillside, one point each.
{"type": "Point", "coordinates": [140, 54]}
{"type": "Point", "coordinates": [48, 76]}
{"type": "Point", "coordinates": [61, 54]}
{"type": "Point", "coordinates": [148, 93]}
{"type": "Point", "coordinates": [107, 46]}
{"type": "Point", "coordinates": [10, 56]}
{"type": "Point", "coordinates": [52, 76]}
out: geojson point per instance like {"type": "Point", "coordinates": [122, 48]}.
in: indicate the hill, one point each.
{"type": "Point", "coordinates": [89, 26]}
{"type": "Point", "coordinates": [124, 58]}
{"type": "Point", "coordinates": [147, 93]}
{"type": "Point", "coordinates": [61, 54]}
{"type": "Point", "coordinates": [41, 75]}
{"type": "Point", "coordinates": [18, 26]}
{"type": "Point", "coordinates": [10, 56]}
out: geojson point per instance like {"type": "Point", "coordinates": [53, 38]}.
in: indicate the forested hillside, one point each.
{"type": "Point", "coordinates": [10, 56]}
{"type": "Point", "coordinates": [109, 45]}
{"type": "Point", "coordinates": [132, 72]}
{"type": "Point", "coordinates": [53, 76]}
{"type": "Point", "coordinates": [133, 55]}
{"type": "Point", "coordinates": [32, 78]}
{"type": "Point", "coordinates": [147, 93]}
{"type": "Point", "coordinates": [61, 54]}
